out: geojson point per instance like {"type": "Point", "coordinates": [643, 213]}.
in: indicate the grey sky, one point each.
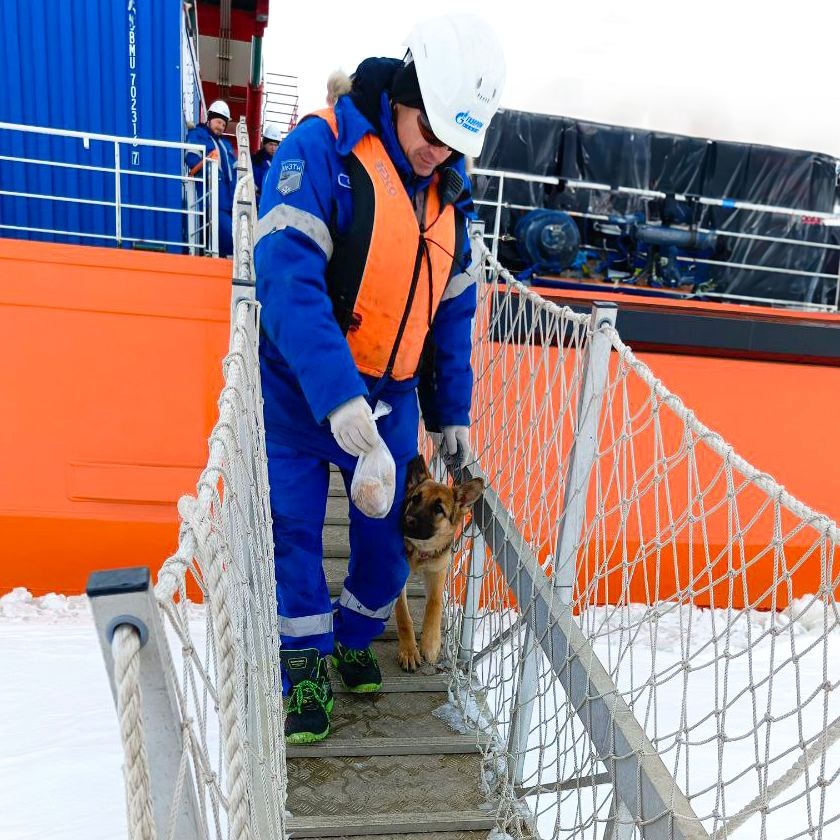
{"type": "Point", "coordinates": [761, 71]}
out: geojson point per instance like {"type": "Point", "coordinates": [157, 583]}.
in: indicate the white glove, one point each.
{"type": "Point", "coordinates": [455, 437]}
{"type": "Point", "coordinates": [353, 426]}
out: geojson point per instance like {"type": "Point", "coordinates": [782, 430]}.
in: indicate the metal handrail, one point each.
{"type": "Point", "coordinates": [818, 218]}
{"type": "Point", "coordinates": [201, 192]}
{"type": "Point", "coordinates": [728, 203]}
{"type": "Point", "coordinates": [92, 135]}
{"type": "Point", "coordinates": [280, 99]}
{"type": "Point", "coordinates": [87, 167]}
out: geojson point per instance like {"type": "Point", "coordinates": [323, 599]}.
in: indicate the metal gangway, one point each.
{"type": "Point", "coordinates": [589, 687]}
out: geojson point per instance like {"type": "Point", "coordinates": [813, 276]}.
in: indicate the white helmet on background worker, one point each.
{"type": "Point", "coordinates": [219, 108]}
{"type": "Point", "coordinates": [461, 70]}
{"type": "Point", "coordinates": [271, 131]}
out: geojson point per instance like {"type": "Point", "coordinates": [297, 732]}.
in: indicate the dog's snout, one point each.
{"type": "Point", "coordinates": [410, 520]}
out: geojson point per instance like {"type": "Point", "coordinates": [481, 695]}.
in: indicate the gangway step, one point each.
{"type": "Point", "coordinates": [383, 787]}
{"type": "Point", "coordinates": [415, 590]}
{"type": "Point", "coordinates": [365, 825]}
{"type": "Point", "coordinates": [460, 744]}
{"type": "Point", "coordinates": [406, 683]}
{"type": "Point", "coordinates": [389, 634]}
{"type": "Point", "coordinates": [419, 715]}
{"type": "Point", "coordinates": [335, 570]}
{"type": "Point", "coordinates": [424, 835]}
{"type": "Point", "coordinates": [337, 511]}
{"type": "Point", "coordinates": [336, 539]}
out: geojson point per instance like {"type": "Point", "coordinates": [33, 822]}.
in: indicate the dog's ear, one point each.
{"type": "Point", "coordinates": [417, 472]}
{"type": "Point", "coordinates": [466, 494]}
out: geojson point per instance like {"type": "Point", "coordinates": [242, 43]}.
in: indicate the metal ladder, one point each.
{"type": "Point", "coordinates": [281, 101]}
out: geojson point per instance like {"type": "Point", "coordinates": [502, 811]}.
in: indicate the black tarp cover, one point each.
{"type": "Point", "coordinates": [540, 144]}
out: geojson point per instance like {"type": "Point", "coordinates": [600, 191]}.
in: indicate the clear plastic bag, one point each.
{"type": "Point", "coordinates": [374, 479]}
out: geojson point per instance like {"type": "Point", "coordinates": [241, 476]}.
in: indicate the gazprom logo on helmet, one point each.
{"type": "Point", "coordinates": [470, 123]}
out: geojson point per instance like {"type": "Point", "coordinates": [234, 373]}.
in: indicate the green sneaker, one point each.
{"type": "Point", "coordinates": [310, 701]}
{"type": "Point", "coordinates": [358, 669]}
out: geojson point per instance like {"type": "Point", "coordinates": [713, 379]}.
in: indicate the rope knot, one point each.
{"type": "Point", "coordinates": [187, 508]}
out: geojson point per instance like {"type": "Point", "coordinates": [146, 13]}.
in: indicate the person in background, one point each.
{"type": "Point", "coordinates": [209, 135]}
{"type": "Point", "coordinates": [261, 161]}
{"type": "Point", "coordinates": [363, 267]}
{"type": "Point", "coordinates": [338, 83]}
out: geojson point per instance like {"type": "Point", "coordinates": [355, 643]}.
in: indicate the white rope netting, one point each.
{"type": "Point", "coordinates": [218, 603]}
{"type": "Point", "coordinates": [226, 647]}
{"type": "Point", "coordinates": [696, 654]}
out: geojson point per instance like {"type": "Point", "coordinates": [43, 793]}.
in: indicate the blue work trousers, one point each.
{"type": "Point", "coordinates": [377, 570]}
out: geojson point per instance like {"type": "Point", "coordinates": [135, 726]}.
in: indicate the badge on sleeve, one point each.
{"type": "Point", "coordinates": [291, 175]}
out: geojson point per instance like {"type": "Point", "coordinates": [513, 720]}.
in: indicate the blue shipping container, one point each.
{"type": "Point", "coordinates": [101, 66]}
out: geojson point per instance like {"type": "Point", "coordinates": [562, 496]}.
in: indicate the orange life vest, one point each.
{"type": "Point", "coordinates": [388, 273]}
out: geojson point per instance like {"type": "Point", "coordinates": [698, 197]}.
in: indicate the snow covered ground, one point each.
{"type": "Point", "coordinates": [60, 755]}
{"type": "Point", "coordinates": [60, 752]}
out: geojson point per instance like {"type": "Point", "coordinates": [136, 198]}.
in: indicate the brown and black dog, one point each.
{"type": "Point", "coordinates": [432, 515]}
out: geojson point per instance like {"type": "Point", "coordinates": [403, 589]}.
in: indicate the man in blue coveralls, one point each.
{"type": "Point", "coordinates": [363, 266]}
{"type": "Point", "coordinates": [209, 135]}
{"type": "Point", "coordinates": [261, 160]}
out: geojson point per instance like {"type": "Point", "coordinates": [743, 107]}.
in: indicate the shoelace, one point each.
{"type": "Point", "coordinates": [359, 657]}
{"type": "Point", "coordinates": [304, 692]}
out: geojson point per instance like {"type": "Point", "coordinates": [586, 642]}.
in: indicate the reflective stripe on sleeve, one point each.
{"type": "Point", "coordinates": [282, 216]}
{"type": "Point", "coordinates": [458, 284]}
{"type": "Point", "coordinates": [461, 282]}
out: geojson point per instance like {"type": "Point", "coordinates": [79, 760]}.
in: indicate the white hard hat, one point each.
{"type": "Point", "coordinates": [461, 71]}
{"type": "Point", "coordinates": [219, 107]}
{"type": "Point", "coordinates": [271, 131]}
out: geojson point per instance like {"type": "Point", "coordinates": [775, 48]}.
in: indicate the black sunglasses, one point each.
{"type": "Point", "coordinates": [426, 131]}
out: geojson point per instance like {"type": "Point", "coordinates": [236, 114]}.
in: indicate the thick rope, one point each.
{"type": "Point", "coordinates": [759, 803]}
{"type": "Point", "coordinates": [203, 549]}
{"type": "Point", "coordinates": [216, 559]}
{"type": "Point", "coordinates": [174, 570]}
{"type": "Point", "coordinates": [231, 506]}
{"type": "Point", "coordinates": [243, 230]}
{"type": "Point", "coordinates": [125, 648]}
{"type": "Point", "coordinates": [532, 297]}
{"type": "Point", "coordinates": [712, 439]}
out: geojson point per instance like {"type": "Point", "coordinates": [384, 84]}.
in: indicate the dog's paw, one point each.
{"type": "Point", "coordinates": [430, 647]}
{"type": "Point", "coordinates": [409, 657]}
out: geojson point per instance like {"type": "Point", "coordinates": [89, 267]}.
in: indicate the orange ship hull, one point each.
{"type": "Point", "coordinates": [110, 384]}
{"type": "Point", "coordinates": [113, 369]}
{"type": "Point", "coordinates": [667, 524]}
